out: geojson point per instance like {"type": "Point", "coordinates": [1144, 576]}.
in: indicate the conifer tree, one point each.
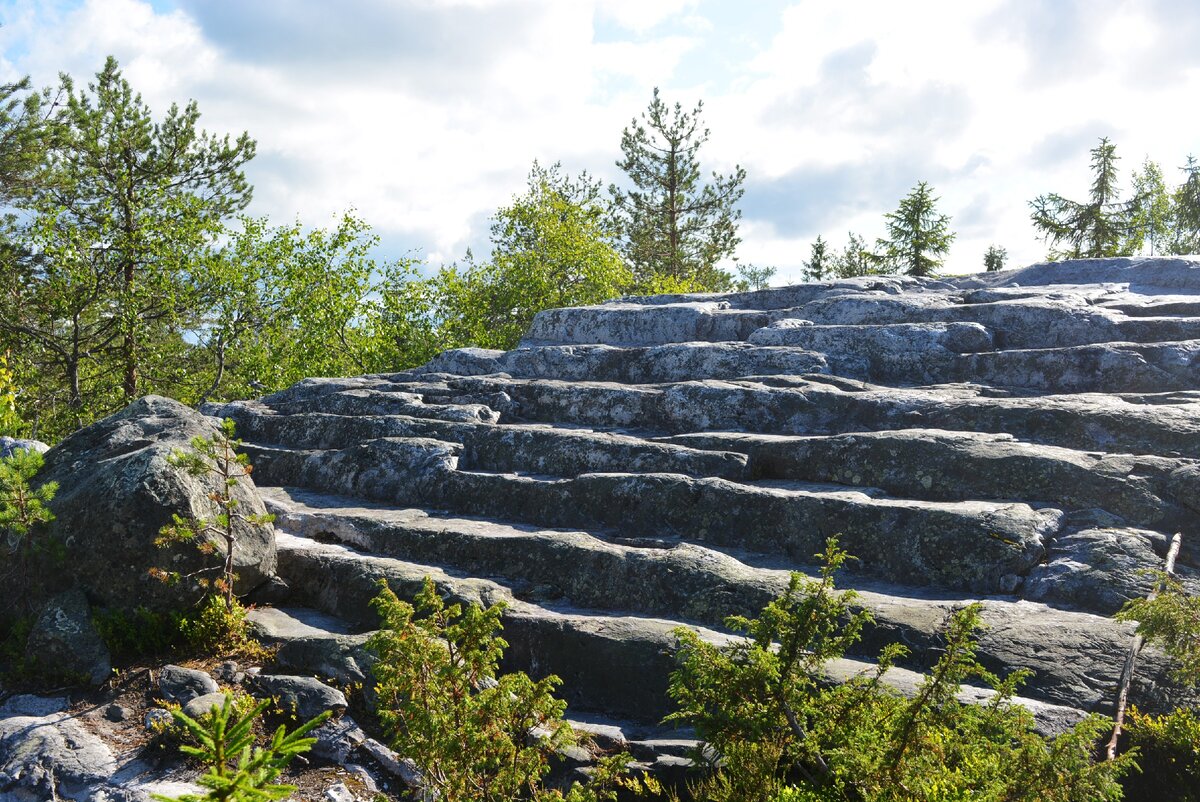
{"type": "Point", "coordinates": [142, 196]}
{"type": "Point", "coordinates": [994, 258]}
{"type": "Point", "coordinates": [856, 259]}
{"type": "Point", "coordinates": [674, 225]}
{"type": "Point", "coordinates": [1097, 228]}
{"type": "Point", "coordinates": [918, 236]}
{"type": "Point", "coordinates": [820, 262]}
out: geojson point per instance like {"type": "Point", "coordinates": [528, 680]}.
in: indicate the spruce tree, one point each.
{"type": "Point", "coordinates": [918, 236]}
{"type": "Point", "coordinates": [673, 225]}
{"type": "Point", "coordinates": [1095, 229]}
{"type": "Point", "coordinates": [994, 258]}
{"type": "Point", "coordinates": [820, 262]}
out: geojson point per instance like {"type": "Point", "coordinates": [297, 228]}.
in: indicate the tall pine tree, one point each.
{"type": "Point", "coordinates": [675, 228]}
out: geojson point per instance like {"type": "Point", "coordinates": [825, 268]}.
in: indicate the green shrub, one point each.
{"type": "Point", "coordinates": [141, 632]}
{"type": "Point", "coordinates": [219, 630]}
{"type": "Point", "coordinates": [779, 733]}
{"type": "Point", "coordinates": [1169, 754]}
{"type": "Point", "coordinates": [475, 735]}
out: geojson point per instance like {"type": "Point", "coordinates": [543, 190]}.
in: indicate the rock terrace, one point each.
{"type": "Point", "coordinates": [1028, 438]}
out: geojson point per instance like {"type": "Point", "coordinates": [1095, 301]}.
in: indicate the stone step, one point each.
{"type": "Point", "coordinates": [1146, 491]}
{"type": "Point", "coordinates": [1034, 322]}
{"type": "Point", "coordinates": [646, 365]}
{"type": "Point", "coordinates": [634, 324]}
{"type": "Point", "coordinates": [543, 449]}
{"type": "Point", "coordinates": [677, 580]}
{"type": "Point", "coordinates": [1167, 424]}
{"type": "Point", "coordinates": [619, 664]}
{"type": "Point", "coordinates": [1014, 322]}
{"type": "Point", "coordinates": [941, 353]}
{"type": "Point", "coordinates": [982, 546]}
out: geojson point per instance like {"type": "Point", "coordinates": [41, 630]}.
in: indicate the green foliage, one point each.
{"type": "Point", "coordinates": [474, 735]}
{"type": "Point", "coordinates": [1097, 228]}
{"type": "Point", "coordinates": [141, 632]}
{"type": "Point", "coordinates": [1185, 211]}
{"type": "Point", "coordinates": [113, 229]}
{"type": "Point", "coordinates": [754, 277]}
{"type": "Point", "coordinates": [779, 734]}
{"type": "Point", "coordinates": [820, 265]}
{"type": "Point", "coordinates": [218, 628]}
{"type": "Point", "coordinates": [671, 223]}
{"type": "Point", "coordinates": [24, 513]}
{"type": "Point", "coordinates": [994, 258]}
{"type": "Point", "coordinates": [238, 771]}
{"type": "Point", "coordinates": [214, 458]}
{"type": "Point", "coordinates": [288, 304]}
{"type": "Point", "coordinates": [10, 421]}
{"type": "Point", "coordinates": [1172, 620]}
{"type": "Point", "coordinates": [918, 236]}
{"type": "Point", "coordinates": [551, 247]}
{"type": "Point", "coordinates": [857, 260]}
{"type": "Point", "coordinates": [1168, 749]}
{"type": "Point", "coordinates": [1149, 211]}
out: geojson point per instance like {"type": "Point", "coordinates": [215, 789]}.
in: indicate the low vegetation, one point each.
{"type": "Point", "coordinates": [237, 769]}
{"type": "Point", "coordinates": [778, 732]}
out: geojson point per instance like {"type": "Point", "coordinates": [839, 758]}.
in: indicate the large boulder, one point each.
{"type": "Point", "coordinates": [117, 490]}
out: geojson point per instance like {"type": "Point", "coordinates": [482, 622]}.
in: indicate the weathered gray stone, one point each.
{"type": "Point", "coordinates": [64, 643]}
{"type": "Point", "coordinates": [1028, 438]}
{"type": "Point", "coordinates": [11, 445]}
{"type": "Point", "coordinates": [181, 685]}
{"type": "Point", "coordinates": [302, 697]}
{"type": "Point", "coordinates": [337, 739]}
{"type": "Point", "coordinates": [116, 491]}
{"type": "Point", "coordinates": [52, 757]}
{"type": "Point", "coordinates": [200, 706]}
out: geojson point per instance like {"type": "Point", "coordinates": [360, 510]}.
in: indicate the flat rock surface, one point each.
{"type": "Point", "coordinates": [1029, 439]}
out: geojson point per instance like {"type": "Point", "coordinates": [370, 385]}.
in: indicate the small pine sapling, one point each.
{"type": "Point", "coordinates": [213, 457]}
{"type": "Point", "coordinates": [238, 771]}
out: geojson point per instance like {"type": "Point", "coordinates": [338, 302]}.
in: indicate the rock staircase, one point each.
{"type": "Point", "coordinates": [1029, 439]}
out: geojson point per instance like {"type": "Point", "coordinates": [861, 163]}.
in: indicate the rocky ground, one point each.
{"type": "Point", "coordinates": [1029, 439]}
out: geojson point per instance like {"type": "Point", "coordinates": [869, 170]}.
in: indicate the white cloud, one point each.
{"type": "Point", "coordinates": [425, 116]}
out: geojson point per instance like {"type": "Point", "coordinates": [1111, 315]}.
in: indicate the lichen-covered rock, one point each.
{"type": "Point", "coordinates": [181, 685]}
{"type": "Point", "coordinates": [117, 490]}
{"type": "Point", "coordinates": [11, 445]}
{"type": "Point", "coordinates": [64, 643]}
{"type": "Point", "coordinates": [1028, 438]}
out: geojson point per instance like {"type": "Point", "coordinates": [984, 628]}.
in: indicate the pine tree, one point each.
{"type": "Point", "coordinates": [918, 236]}
{"type": "Point", "coordinates": [1094, 229]}
{"type": "Point", "coordinates": [754, 277]}
{"type": "Point", "coordinates": [820, 262]}
{"type": "Point", "coordinates": [143, 197]}
{"type": "Point", "coordinates": [673, 225]}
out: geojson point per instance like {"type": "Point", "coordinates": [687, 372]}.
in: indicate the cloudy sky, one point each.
{"type": "Point", "coordinates": [425, 115]}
